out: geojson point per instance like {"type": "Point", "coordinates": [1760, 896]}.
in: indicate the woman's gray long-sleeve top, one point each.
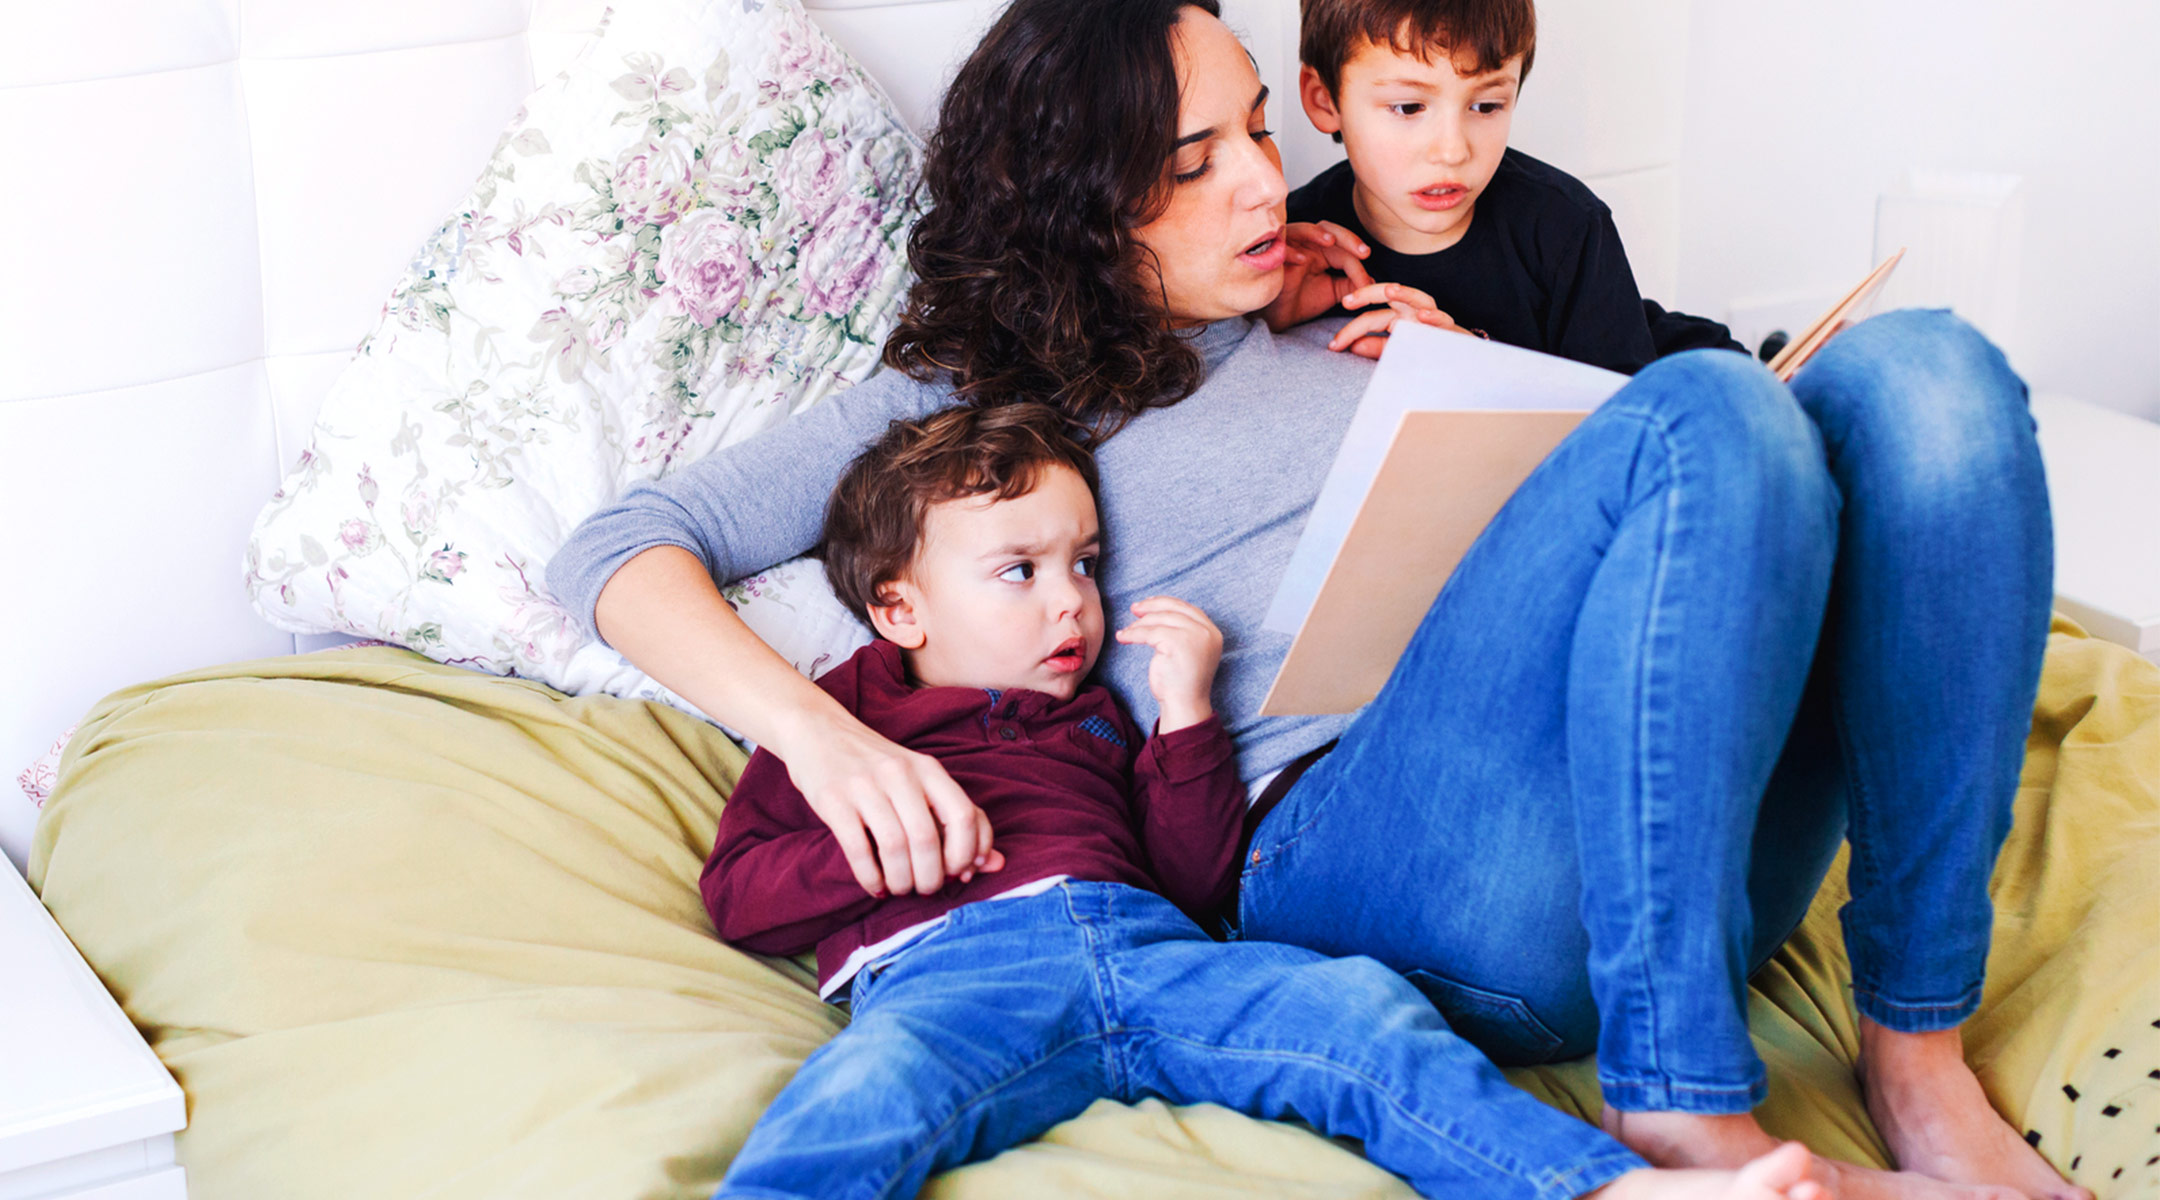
{"type": "Point", "coordinates": [1202, 500]}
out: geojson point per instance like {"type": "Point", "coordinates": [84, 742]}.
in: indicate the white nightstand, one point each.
{"type": "Point", "coordinates": [87, 1112]}
{"type": "Point", "coordinates": [2104, 485]}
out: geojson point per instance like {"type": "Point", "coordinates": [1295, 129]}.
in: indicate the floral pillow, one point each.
{"type": "Point", "coordinates": [37, 779]}
{"type": "Point", "coordinates": [692, 234]}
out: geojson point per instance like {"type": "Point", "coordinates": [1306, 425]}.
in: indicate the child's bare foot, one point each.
{"type": "Point", "coordinates": [1787, 1171]}
{"type": "Point", "coordinates": [1691, 1140]}
{"type": "Point", "coordinates": [1782, 1174]}
{"type": "Point", "coordinates": [1932, 1112]}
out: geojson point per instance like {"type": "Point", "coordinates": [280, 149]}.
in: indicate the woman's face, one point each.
{"type": "Point", "coordinates": [1219, 244]}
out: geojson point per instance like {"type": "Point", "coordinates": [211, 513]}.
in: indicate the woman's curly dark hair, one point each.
{"type": "Point", "coordinates": [1052, 146]}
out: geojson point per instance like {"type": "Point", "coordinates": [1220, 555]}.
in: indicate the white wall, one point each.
{"type": "Point", "coordinates": [1799, 113]}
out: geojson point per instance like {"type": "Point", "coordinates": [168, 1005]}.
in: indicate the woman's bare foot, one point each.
{"type": "Point", "coordinates": [1931, 1111]}
{"type": "Point", "coordinates": [1695, 1141]}
{"type": "Point", "coordinates": [1782, 1174]}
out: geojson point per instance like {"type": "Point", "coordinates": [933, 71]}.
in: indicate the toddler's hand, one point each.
{"type": "Point", "coordinates": [1322, 263]}
{"type": "Point", "coordinates": [1362, 336]}
{"type": "Point", "coordinates": [1187, 647]}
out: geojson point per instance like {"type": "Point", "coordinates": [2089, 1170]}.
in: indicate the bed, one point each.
{"type": "Point", "coordinates": [407, 928]}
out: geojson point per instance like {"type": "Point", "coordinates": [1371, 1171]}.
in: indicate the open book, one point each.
{"type": "Point", "coordinates": [1854, 307]}
{"type": "Point", "coordinates": [1448, 428]}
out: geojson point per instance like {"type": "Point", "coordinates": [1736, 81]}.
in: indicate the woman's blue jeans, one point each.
{"type": "Point", "coordinates": [1727, 625]}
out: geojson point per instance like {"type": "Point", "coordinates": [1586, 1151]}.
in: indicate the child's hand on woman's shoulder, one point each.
{"type": "Point", "coordinates": [1187, 648]}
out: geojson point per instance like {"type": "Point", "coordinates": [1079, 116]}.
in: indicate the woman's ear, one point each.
{"type": "Point", "coordinates": [1319, 103]}
{"type": "Point", "coordinates": [897, 615]}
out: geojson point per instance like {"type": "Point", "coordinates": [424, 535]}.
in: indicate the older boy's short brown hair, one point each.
{"type": "Point", "coordinates": [873, 523]}
{"type": "Point", "coordinates": [1489, 31]}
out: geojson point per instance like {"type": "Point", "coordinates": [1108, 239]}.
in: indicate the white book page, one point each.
{"type": "Point", "coordinates": [1423, 369]}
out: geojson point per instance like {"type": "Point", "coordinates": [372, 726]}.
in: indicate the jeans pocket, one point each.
{"type": "Point", "coordinates": [858, 993]}
{"type": "Point", "coordinates": [1499, 1024]}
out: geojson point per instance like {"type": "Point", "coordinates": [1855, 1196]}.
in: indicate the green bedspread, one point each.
{"type": "Point", "coordinates": [401, 930]}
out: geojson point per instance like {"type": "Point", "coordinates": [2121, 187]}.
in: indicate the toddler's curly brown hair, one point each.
{"type": "Point", "coordinates": [874, 520]}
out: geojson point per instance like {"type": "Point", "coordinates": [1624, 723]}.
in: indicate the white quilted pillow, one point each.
{"type": "Point", "coordinates": [692, 234]}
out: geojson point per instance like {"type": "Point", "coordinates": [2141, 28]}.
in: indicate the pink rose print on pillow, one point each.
{"type": "Point", "coordinates": [803, 55]}
{"type": "Point", "coordinates": [359, 536]}
{"type": "Point", "coordinates": [703, 266]}
{"type": "Point", "coordinates": [655, 183]}
{"type": "Point", "coordinates": [38, 779]}
{"type": "Point", "coordinates": [842, 257]}
{"type": "Point", "coordinates": [812, 173]}
{"type": "Point", "coordinates": [444, 566]}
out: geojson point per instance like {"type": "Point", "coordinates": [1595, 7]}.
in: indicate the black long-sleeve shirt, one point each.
{"type": "Point", "coordinates": [1541, 267]}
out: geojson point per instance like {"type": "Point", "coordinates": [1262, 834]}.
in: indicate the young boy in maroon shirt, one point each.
{"type": "Point", "coordinates": [1061, 969]}
{"type": "Point", "coordinates": [977, 570]}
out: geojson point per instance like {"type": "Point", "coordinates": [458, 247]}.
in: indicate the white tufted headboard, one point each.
{"type": "Point", "coordinates": [206, 201]}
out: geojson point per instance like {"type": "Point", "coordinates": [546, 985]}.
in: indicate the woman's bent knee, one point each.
{"type": "Point", "coordinates": [1922, 347]}
{"type": "Point", "coordinates": [1924, 388]}
{"type": "Point", "coordinates": [1726, 423]}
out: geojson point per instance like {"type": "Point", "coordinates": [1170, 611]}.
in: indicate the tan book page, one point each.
{"type": "Point", "coordinates": [1445, 477]}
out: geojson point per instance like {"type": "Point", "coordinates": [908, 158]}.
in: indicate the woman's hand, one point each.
{"type": "Point", "coordinates": [1365, 336]}
{"type": "Point", "coordinates": [1187, 647]}
{"type": "Point", "coordinates": [1322, 263]}
{"type": "Point", "coordinates": [903, 823]}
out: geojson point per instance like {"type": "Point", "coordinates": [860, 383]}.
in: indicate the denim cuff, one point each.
{"type": "Point", "coordinates": [1901, 1016]}
{"type": "Point", "coordinates": [1667, 1095]}
{"type": "Point", "coordinates": [1589, 1175]}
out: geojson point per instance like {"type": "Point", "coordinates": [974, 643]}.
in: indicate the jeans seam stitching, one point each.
{"type": "Point", "coordinates": [1513, 1008]}
{"type": "Point", "coordinates": [1858, 797]}
{"type": "Point", "coordinates": [979, 1098]}
{"type": "Point", "coordinates": [1296, 834]}
{"type": "Point", "coordinates": [1964, 1000]}
{"type": "Point", "coordinates": [1105, 1001]}
{"type": "Point", "coordinates": [1666, 1085]}
{"type": "Point", "coordinates": [1656, 424]}
{"type": "Point", "coordinates": [1444, 1135]}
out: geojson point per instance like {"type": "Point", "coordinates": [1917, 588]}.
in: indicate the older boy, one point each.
{"type": "Point", "coordinates": [1062, 969]}
{"type": "Point", "coordinates": [1421, 94]}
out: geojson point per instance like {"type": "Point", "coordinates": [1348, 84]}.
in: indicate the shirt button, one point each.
{"type": "Point", "coordinates": [1008, 732]}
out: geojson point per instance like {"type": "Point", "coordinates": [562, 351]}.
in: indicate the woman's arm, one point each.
{"type": "Point", "coordinates": [742, 508]}
{"type": "Point", "coordinates": [640, 573]}
{"type": "Point", "coordinates": [904, 825]}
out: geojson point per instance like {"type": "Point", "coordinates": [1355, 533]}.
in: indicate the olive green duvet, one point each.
{"type": "Point", "coordinates": [402, 930]}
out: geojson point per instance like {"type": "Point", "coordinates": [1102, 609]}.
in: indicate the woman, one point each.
{"type": "Point", "coordinates": [1724, 622]}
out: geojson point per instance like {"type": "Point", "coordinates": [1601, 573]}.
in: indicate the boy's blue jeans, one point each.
{"type": "Point", "coordinates": [1017, 1014]}
{"type": "Point", "coordinates": [1726, 625]}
